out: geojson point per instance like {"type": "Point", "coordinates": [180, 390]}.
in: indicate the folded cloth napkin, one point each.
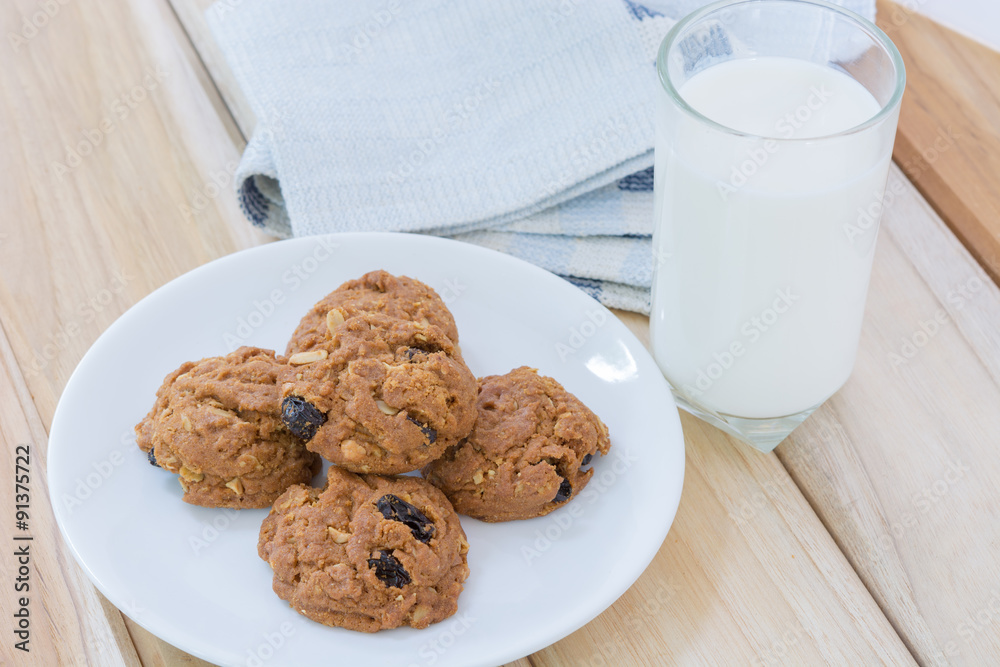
{"type": "Point", "coordinates": [521, 125]}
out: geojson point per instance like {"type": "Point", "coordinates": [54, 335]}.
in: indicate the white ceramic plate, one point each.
{"type": "Point", "coordinates": [191, 575]}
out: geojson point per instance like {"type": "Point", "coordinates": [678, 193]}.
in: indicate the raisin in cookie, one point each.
{"type": "Point", "coordinates": [528, 451]}
{"type": "Point", "coordinates": [367, 552]}
{"type": "Point", "coordinates": [217, 424]}
{"type": "Point", "coordinates": [380, 395]}
{"type": "Point", "coordinates": [376, 292]}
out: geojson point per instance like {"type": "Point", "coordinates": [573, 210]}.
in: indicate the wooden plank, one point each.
{"type": "Point", "coordinates": [108, 133]}
{"type": "Point", "coordinates": [901, 465]}
{"type": "Point", "coordinates": [817, 455]}
{"type": "Point", "coordinates": [113, 217]}
{"type": "Point", "coordinates": [67, 620]}
{"type": "Point", "coordinates": [191, 17]}
{"type": "Point", "coordinates": [152, 171]}
{"type": "Point", "coordinates": [948, 142]}
{"type": "Point", "coordinates": [747, 574]}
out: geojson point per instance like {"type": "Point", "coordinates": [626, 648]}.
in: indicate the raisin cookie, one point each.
{"type": "Point", "coordinates": [528, 453]}
{"type": "Point", "coordinates": [376, 292]}
{"type": "Point", "coordinates": [380, 395]}
{"type": "Point", "coordinates": [367, 552]}
{"type": "Point", "coordinates": [217, 424]}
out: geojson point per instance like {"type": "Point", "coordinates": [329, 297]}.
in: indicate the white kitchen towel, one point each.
{"type": "Point", "coordinates": [521, 125]}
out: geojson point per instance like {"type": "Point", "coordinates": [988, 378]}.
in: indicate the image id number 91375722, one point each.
{"type": "Point", "coordinates": [22, 546]}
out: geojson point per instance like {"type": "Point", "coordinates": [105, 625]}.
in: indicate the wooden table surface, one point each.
{"type": "Point", "coordinates": [870, 537]}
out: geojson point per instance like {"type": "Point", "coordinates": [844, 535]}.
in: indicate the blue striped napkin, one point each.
{"type": "Point", "coordinates": [525, 126]}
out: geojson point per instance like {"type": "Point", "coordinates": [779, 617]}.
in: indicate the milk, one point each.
{"type": "Point", "coordinates": [763, 246]}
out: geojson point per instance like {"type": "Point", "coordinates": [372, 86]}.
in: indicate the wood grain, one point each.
{"type": "Point", "coordinates": [76, 247]}
{"type": "Point", "coordinates": [69, 621]}
{"type": "Point", "coordinates": [191, 17]}
{"type": "Point", "coordinates": [748, 574]}
{"type": "Point", "coordinates": [909, 494]}
{"type": "Point", "coordinates": [646, 634]}
{"type": "Point", "coordinates": [948, 142]}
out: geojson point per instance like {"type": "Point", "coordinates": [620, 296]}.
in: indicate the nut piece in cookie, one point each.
{"type": "Point", "coordinates": [217, 424]}
{"type": "Point", "coordinates": [376, 292]}
{"type": "Point", "coordinates": [528, 453]}
{"type": "Point", "coordinates": [367, 552]}
{"type": "Point", "coordinates": [381, 395]}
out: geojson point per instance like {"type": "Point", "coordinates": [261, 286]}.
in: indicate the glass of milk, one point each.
{"type": "Point", "coordinates": [775, 126]}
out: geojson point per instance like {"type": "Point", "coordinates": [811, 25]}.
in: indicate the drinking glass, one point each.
{"type": "Point", "coordinates": [763, 240]}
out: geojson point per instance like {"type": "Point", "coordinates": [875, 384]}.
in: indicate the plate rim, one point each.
{"type": "Point", "coordinates": [568, 622]}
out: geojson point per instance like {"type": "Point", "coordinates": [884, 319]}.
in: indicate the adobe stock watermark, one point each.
{"type": "Point", "coordinates": [209, 190]}
{"type": "Point", "coordinates": [777, 652]}
{"type": "Point", "coordinates": [785, 127]}
{"type": "Point", "coordinates": [584, 152]}
{"type": "Point", "coordinates": [270, 644]}
{"type": "Point", "coordinates": [222, 8]}
{"type": "Point", "coordinates": [944, 140]}
{"type": "Point", "coordinates": [940, 658]}
{"type": "Point", "coordinates": [867, 222]}
{"type": "Point", "coordinates": [922, 502]}
{"type": "Point", "coordinates": [34, 23]}
{"type": "Point", "coordinates": [561, 521]}
{"type": "Point", "coordinates": [799, 455]}
{"type": "Point", "coordinates": [120, 107]}
{"type": "Point", "coordinates": [751, 331]}
{"type": "Point", "coordinates": [456, 116]}
{"type": "Point", "coordinates": [608, 652]}
{"type": "Point", "coordinates": [291, 280]}
{"type": "Point", "coordinates": [662, 257]}
{"type": "Point", "coordinates": [982, 620]}
{"type": "Point", "coordinates": [452, 290]}
{"type": "Point", "coordinates": [758, 500]}
{"type": "Point", "coordinates": [450, 630]}
{"type": "Point", "coordinates": [211, 531]}
{"type": "Point", "coordinates": [928, 329]}
{"type": "Point", "coordinates": [268, 124]}
{"type": "Point", "coordinates": [651, 606]}
{"type": "Point", "coordinates": [369, 30]}
{"type": "Point", "coordinates": [581, 333]}
{"type": "Point", "coordinates": [562, 11]}
{"type": "Point", "coordinates": [87, 311]}
{"type": "Point", "coordinates": [902, 12]}
{"type": "Point", "coordinates": [133, 609]}
{"type": "Point", "coordinates": [100, 472]}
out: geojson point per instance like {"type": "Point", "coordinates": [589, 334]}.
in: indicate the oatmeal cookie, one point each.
{"type": "Point", "coordinates": [380, 395]}
{"type": "Point", "coordinates": [367, 552]}
{"type": "Point", "coordinates": [217, 424]}
{"type": "Point", "coordinates": [528, 454]}
{"type": "Point", "coordinates": [376, 292]}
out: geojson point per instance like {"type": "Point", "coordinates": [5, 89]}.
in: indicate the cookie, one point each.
{"type": "Point", "coordinates": [217, 424]}
{"type": "Point", "coordinates": [376, 292]}
{"type": "Point", "coordinates": [380, 395]}
{"type": "Point", "coordinates": [528, 453]}
{"type": "Point", "coordinates": [367, 552]}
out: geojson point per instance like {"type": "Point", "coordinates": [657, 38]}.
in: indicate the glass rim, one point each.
{"type": "Point", "coordinates": [864, 24]}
